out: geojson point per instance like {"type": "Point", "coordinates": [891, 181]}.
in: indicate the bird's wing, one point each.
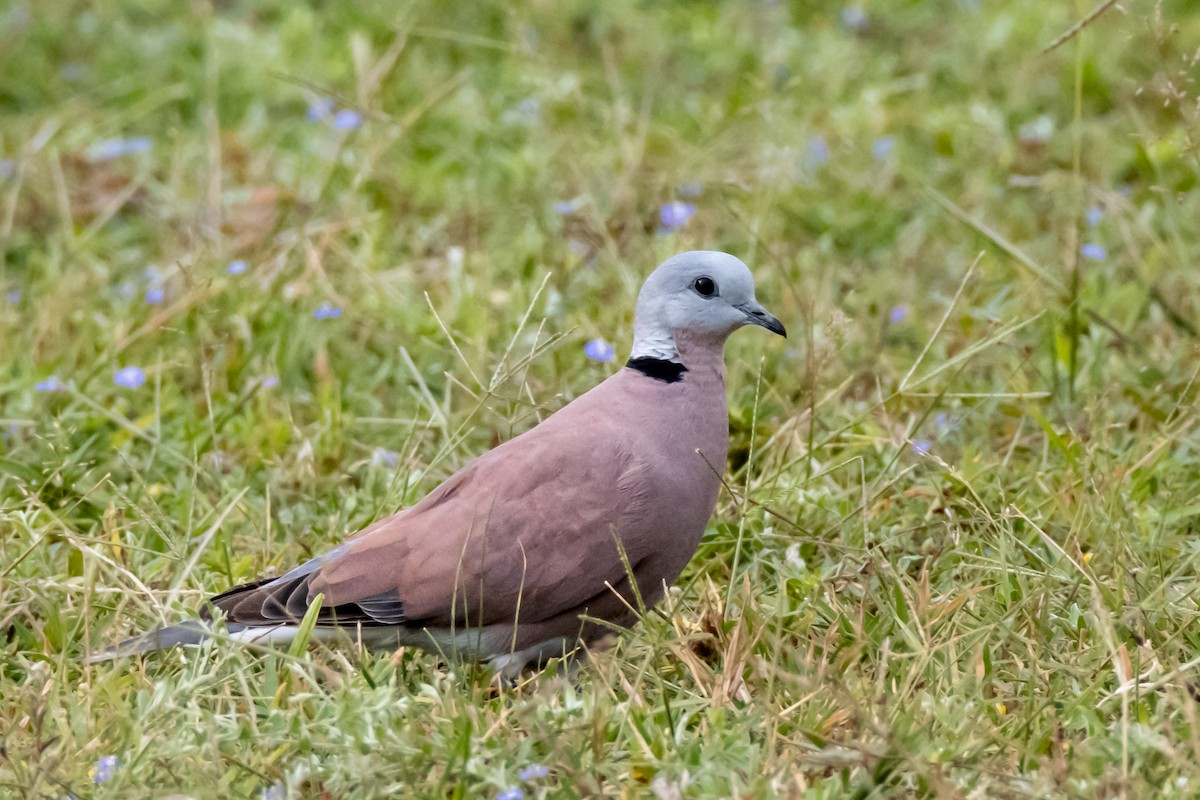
{"type": "Point", "coordinates": [529, 529]}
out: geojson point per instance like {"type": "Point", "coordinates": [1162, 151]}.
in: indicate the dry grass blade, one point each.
{"type": "Point", "coordinates": [1075, 29]}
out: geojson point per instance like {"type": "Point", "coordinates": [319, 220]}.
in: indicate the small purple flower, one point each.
{"type": "Point", "coordinates": [854, 18]}
{"type": "Point", "coordinates": [115, 148]}
{"type": "Point", "coordinates": [51, 384]}
{"type": "Point", "coordinates": [104, 770]}
{"type": "Point", "coordinates": [941, 420]}
{"type": "Point", "coordinates": [818, 151]}
{"type": "Point", "coordinates": [883, 147]}
{"type": "Point", "coordinates": [347, 119]}
{"type": "Point", "coordinates": [1095, 215]}
{"type": "Point", "coordinates": [155, 295]}
{"type": "Point", "coordinates": [534, 772]}
{"type": "Point", "coordinates": [600, 350]}
{"type": "Point", "coordinates": [275, 791]}
{"type": "Point", "coordinates": [382, 457]}
{"type": "Point", "coordinates": [674, 216]}
{"type": "Point", "coordinates": [525, 113]}
{"type": "Point", "coordinates": [897, 314]}
{"type": "Point", "coordinates": [236, 267]}
{"type": "Point", "coordinates": [566, 207]}
{"type": "Point", "coordinates": [269, 382]}
{"type": "Point", "coordinates": [13, 296]}
{"type": "Point", "coordinates": [921, 446]}
{"type": "Point", "coordinates": [511, 793]}
{"type": "Point", "coordinates": [530, 107]}
{"type": "Point", "coordinates": [1093, 252]}
{"type": "Point", "coordinates": [326, 311]}
{"type": "Point", "coordinates": [320, 108]}
{"type": "Point", "coordinates": [129, 377]}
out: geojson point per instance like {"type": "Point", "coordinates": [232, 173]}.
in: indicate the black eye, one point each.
{"type": "Point", "coordinates": [704, 286]}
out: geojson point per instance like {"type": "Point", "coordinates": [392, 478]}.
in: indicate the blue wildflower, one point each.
{"type": "Point", "coordinates": [525, 113]}
{"type": "Point", "coordinates": [382, 457]}
{"type": "Point", "coordinates": [674, 216]}
{"type": "Point", "coordinates": [534, 772]}
{"type": "Point", "coordinates": [320, 108]}
{"type": "Point", "coordinates": [883, 147]}
{"type": "Point", "coordinates": [104, 770]}
{"type": "Point", "coordinates": [854, 18]}
{"type": "Point", "coordinates": [326, 311]}
{"type": "Point", "coordinates": [129, 377]}
{"type": "Point", "coordinates": [13, 296]}
{"type": "Point", "coordinates": [565, 207]}
{"type": "Point", "coordinates": [897, 314]}
{"type": "Point", "coordinates": [269, 381]}
{"type": "Point", "coordinates": [921, 446]}
{"type": "Point", "coordinates": [347, 119]}
{"type": "Point", "coordinates": [1093, 252]}
{"type": "Point", "coordinates": [818, 151]}
{"type": "Point", "coordinates": [275, 791]}
{"type": "Point", "coordinates": [511, 793]}
{"type": "Point", "coordinates": [1094, 216]}
{"type": "Point", "coordinates": [155, 295]}
{"type": "Point", "coordinates": [115, 148]}
{"type": "Point", "coordinates": [600, 350]}
{"type": "Point", "coordinates": [236, 267]}
{"type": "Point", "coordinates": [51, 384]}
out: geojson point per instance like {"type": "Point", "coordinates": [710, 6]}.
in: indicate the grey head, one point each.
{"type": "Point", "coordinates": [702, 293]}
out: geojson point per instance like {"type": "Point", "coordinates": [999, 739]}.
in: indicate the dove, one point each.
{"type": "Point", "coordinates": [552, 539]}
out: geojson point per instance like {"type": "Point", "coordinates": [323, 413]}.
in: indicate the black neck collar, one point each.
{"type": "Point", "coordinates": [658, 368]}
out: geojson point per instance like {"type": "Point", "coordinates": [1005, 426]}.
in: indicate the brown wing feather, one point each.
{"type": "Point", "coordinates": [285, 601]}
{"type": "Point", "coordinates": [532, 524]}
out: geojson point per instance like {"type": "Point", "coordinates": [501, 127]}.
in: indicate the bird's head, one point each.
{"type": "Point", "coordinates": [702, 293]}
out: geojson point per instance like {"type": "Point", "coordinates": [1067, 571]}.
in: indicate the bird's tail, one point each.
{"type": "Point", "coordinates": [186, 633]}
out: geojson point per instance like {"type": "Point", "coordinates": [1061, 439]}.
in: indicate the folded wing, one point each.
{"type": "Point", "coordinates": [523, 533]}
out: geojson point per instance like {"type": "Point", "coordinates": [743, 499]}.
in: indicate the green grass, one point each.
{"type": "Point", "coordinates": [958, 555]}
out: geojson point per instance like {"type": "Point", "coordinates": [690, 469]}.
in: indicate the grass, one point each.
{"type": "Point", "coordinates": [958, 551]}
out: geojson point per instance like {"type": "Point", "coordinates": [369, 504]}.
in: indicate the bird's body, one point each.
{"type": "Point", "coordinates": [531, 547]}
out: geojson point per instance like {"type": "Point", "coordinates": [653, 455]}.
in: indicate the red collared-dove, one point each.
{"type": "Point", "coordinates": [528, 549]}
